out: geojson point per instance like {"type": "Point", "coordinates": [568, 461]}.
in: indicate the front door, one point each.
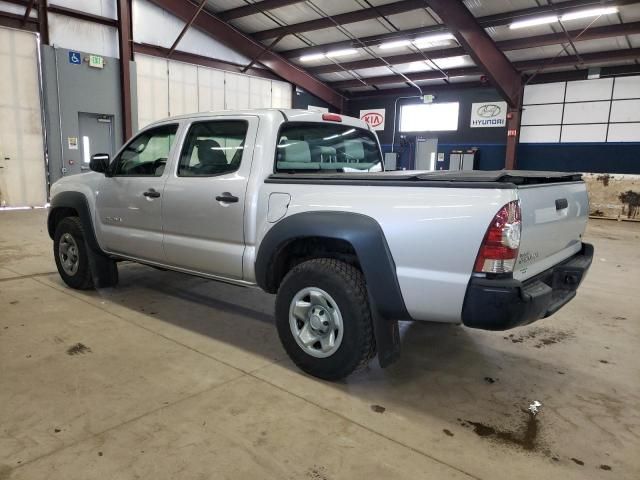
{"type": "Point", "coordinates": [129, 200]}
{"type": "Point", "coordinates": [96, 136]}
{"type": "Point", "coordinates": [204, 197]}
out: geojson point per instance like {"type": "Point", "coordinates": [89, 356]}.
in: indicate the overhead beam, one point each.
{"type": "Point", "coordinates": [241, 43]}
{"type": "Point", "coordinates": [79, 15]}
{"type": "Point", "coordinates": [13, 20]}
{"type": "Point", "coordinates": [254, 8]}
{"type": "Point", "coordinates": [570, 75]}
{"type": "Point", "coordinates": [486, 22]}
{"type": "Point", "coordinates": [125, 39]}
{"type": "Point", "coordinates": [505, 45]}
{"type": "Point", "coordinates": [342, 19]}
{"type": "Point", "coordinates": [540, 64]}
{"type": "Point", "coordinates": [43, 21]}
{"type": "Point", "coordinates": [186, 27]}
{"type": "Point", "coordinates": [27, 12]}
{"type": "Point", "coordinates": [479, 45]}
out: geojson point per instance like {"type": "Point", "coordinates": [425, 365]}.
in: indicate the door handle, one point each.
{"type": "Point", "coordinates": [561, 203]}
{"type": "Point", "coordinates": [226, 197]}
{"type": "Point", "coordinates": [151, 193]}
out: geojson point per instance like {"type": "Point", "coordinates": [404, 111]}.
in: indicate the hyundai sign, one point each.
{"type": "Point", "coordinates": [488, 114]}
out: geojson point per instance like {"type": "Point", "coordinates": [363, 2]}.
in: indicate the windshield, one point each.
{"type": "Point", "coordinates": [314, 147]}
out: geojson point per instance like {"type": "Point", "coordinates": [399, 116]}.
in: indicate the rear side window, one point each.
{"type": "Point", "coordinates": [324, 147]}
{"type": "Point", "coordinates": [213, 148]}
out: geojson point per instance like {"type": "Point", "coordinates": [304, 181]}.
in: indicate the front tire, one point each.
{"type": "Point", "coordinates": [70, 252]}
{"type": "Point", "coordinates": [323, 318]}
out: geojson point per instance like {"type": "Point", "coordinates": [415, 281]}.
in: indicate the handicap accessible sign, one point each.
{"type": "Point", "coordinates": [75, 57]}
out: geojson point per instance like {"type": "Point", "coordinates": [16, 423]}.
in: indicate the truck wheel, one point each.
{"type": "Point", "coordinates": [323, 318]}
{"type": "Point", "coordinates": [70, 252]}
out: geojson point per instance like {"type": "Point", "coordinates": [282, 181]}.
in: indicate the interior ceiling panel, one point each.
{"type": "Point", "coordinates": [373, 72]}
{"type": "Point", "coordinates": [254, 23]}
{"type": "Point", "coordinates": [389, 86]}
{"type": "Point", "coordinates": [634, 40]}
{"type": "Point", "coordinates": [289, 42]}
{"type": "Point", "coordinates": [531, 54]}
{"type": "Point", "coordinates": [465, 79]}
{"type": "Point", "coordinates": [412, 19]}
{"type": "Point", "coordinates": [335, 76]}
{"type": "Point", "coordinates": [482, 8]}
{"type": "Point", "coordinates": [222, 5]}
{"type": "Point", "coordinates": [602, 45]}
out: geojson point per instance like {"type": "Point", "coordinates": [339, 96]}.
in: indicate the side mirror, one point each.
{"type": "Point", "coordinates": [100, 162]}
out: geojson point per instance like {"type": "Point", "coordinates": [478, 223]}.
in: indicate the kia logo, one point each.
{"type": "Point", "coordinates": [372, 118]}
{"type": "Point", "coordinates": [489, 110]}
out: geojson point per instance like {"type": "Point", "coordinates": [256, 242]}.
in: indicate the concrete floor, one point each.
{"type": "Point", "coordinates": [178, 377]}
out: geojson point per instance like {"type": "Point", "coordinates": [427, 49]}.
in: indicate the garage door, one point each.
{"type": "Point", "coordinates": [22, 165]}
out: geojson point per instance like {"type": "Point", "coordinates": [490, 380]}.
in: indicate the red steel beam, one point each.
{"type": "Point", "coordinates": [125, 39]}
{"type": "Point", "coordinates": [486, 22]}
{"type": "Point", "coordinates": [479, 45]}
{"type": "Point", "coordinates": [87, 17]}
{"type": "Point", "coordinates": [241, 43]}
{"type": "Point", "coordinates": [27, 12]}
{"type": "Point", "coordinates": [43, 22]}
{"type": "Point", "coordinates": [505, 45]}
{"type": "Point", "coordinates": [254, 8]}
{"type": "Point", "coordinates": [13, 20]}
{"type": "Point", "coordinates": [541, 64]}
{"type": "Point", "coordinates": [186, 27]}
{"type": "Point", "coordinates": [342, 19]}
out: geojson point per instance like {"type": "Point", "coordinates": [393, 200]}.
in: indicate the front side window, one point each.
{"type": "Point", "coordinates": [315, 147]}
{"type": "Point", "coordinates": [147, 154]}
{"type": "Point", "coordinates": [213, 148]}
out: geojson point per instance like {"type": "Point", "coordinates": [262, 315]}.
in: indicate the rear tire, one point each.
{"type": "Point", "coordinates": [323, 318]}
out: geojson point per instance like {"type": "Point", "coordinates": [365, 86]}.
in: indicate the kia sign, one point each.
{"type": "Point", "coordinates": [374, 117]}
{"type": "Point", "coordinates": [489, 114]}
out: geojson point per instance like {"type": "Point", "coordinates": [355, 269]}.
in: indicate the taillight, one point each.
{"type": "Point", "coordinates": [499, 249]}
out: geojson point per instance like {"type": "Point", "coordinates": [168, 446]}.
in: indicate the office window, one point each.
{"type": "Point", "coordinates": [429, 117]}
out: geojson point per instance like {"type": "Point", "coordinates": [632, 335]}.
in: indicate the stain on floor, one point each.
{"type": "Point", "coordinates": [378, 408]}
{"type": "Point", "coordinates": [524, 437]}
{"type": "Point", "coordinates": [77, 349]}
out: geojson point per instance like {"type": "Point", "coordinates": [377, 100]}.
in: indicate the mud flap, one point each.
{"type": "Point", "coordinates": [104, 271]}
{"type": "Point", "coordinates": [387, 334]}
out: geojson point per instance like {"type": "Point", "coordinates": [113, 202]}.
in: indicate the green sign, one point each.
{"type": "Point", "coordinates": [96, 61]}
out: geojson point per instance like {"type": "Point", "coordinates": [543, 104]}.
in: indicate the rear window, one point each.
{"type": "Point", "coordinates": [324, 147]}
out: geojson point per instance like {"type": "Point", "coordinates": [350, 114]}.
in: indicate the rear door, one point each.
{"type": "Point", "coordinates": [204, 197]}
{"type": "Point", "coordinates": [554, 217]}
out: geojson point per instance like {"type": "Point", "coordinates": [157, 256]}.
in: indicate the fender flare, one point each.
{"type": "Point", "coordinates": [363, 233]}
{"type": "Point", "coordinates": [78, 202]}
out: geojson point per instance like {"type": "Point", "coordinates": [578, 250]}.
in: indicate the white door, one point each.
{"type": "Point", "coordinates": [22, 165]}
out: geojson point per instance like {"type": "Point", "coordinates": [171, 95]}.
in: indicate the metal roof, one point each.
{"type": "Point", "coordinates": [298, 28]}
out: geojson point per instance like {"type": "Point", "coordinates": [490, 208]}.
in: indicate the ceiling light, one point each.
{"type": "Point", "coordinates": [433, 40]}
{"type": "Point", "coordinates": [394, 44]}
{"type": "Point", "coordinates": [450, 62]}
{"type": "Point", "coordinates": [311, 57]}
{"type": "Point", "coordinates": [593, 12]}
{"type": "Point", "coordinates": [342, 53]}
{"type": "Point", "coordinates": [533, 22]}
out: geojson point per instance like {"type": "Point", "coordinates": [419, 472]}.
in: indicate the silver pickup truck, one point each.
{"type": "Point", "coordinates": [298, 204]}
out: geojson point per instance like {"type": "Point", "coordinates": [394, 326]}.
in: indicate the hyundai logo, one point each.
{"type": "Point", "coordinates": [489, 110]}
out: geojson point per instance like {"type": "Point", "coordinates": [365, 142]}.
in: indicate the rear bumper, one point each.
{"type": "Point", "coordinates": [506, 303]}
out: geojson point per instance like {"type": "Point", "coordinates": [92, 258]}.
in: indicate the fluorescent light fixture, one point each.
{"type": "Point", "coordinates": [311, 57]}
{"type": "Point", "coordinates": [449, 62]}
{"type": "Point", "coordinates": [429, 117]}
{"type": "Point", "coordinates": [433, 40]}
{"type": "Point", "coordinates": [532, 22]}
{"type": "Point", "coordinates": [342, 53]}
{"type": "Point", "coordinates": [394, 44]}
{"type": "Point", "coordinates": [592, 12]}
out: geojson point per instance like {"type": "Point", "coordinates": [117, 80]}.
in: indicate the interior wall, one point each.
{"type": "Point", "coordinates": [490, 141]}
{"type": "Point", "coordinates": [168, 88]}
{"type": "Point", "coordinates": [70, 89]}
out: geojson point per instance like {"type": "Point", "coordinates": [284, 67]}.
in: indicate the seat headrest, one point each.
{"type": "Point", "coordinates": [210, 153]}
{"type": "Point", "coordinates": [294, 151]}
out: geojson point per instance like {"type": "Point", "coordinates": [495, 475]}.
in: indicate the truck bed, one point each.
{"type": "Point", "coordinates": [443, 178]}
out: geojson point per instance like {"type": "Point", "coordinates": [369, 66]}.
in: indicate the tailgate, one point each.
{"type": "Point", "coordinates": [554, 216]}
